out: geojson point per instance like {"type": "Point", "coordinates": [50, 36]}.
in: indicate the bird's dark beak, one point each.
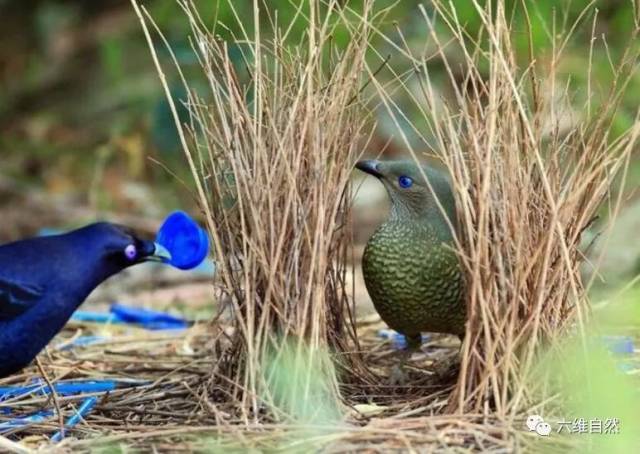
{"type": "Point", "coordinates": [161, 252]}
{"type": "Point", "coordinates": [370, 166]}
{"type": "Point", "coordinates": [155, 252]}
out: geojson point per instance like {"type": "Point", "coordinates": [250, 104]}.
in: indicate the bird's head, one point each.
{"type": "Point", "coordinates": [116, 247]}
{"type": "Point", "coordinates": [411, 196]}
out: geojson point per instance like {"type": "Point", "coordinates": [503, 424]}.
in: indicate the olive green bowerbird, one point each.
{"type": "Point", "coordinates": [410, 268]}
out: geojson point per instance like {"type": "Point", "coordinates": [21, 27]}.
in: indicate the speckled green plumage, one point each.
{"type": "Point", "coordinates": [413, 279]}
{"type": "Point", "coordinates": [410, 269]}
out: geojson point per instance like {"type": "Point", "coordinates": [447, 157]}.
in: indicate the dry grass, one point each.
{"type": "Point", "coordinates": [530, 176]}
{"type": "Point", "coordinates": [161, 380]}
{"type": "Point", "coordinates": [163, 405]}
{"type": "Point", "coordinates": [167, 407]}
{"type": "Point", "coordinates": [271, 145]}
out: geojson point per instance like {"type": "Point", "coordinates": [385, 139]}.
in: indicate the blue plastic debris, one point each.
{"type": "Point", "coordinates": [67, 388]}
{"type": "Point", "coordinates": [618, 345]}
{"type": "Point", "coordinates": [25, 421]}
{"type": "Point", "coordinates": [399, 341]}
{"type": "Point", "coordinates": [84, 409]}
{"type": "Point", "coordinates": [95, 317]}
{"type": "Point", "coordinates": [184, 239]}
{"type": "Point", "coordinates": [149, 319]}
{"type": "Point", "coordinates": [120, 314]}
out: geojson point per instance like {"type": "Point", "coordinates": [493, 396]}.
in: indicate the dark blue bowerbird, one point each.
{"type": "Point", "coordinates": [43, 281]}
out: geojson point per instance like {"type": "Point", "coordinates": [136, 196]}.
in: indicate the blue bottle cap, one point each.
{"type": "Point", "coordinates": [184, 239]}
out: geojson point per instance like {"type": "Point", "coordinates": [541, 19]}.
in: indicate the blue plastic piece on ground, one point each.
{"type": "Point", "coordinates": [94, 317]}
{"type": "Point", "coordinates": [399, 340]}
{"type": "Point", "coordinates": [84, 409]}
{"type": "Point", "coordinates": [148, 318]}
{"type": "Point", "coordinates": [68, 388]}
{"type": "Point", "coordinates": [619, 345]}
{"type": "Point", "coordinates": [184, 239]}
{"type": "Point", "coordinates": [120, 314]}
{"type": "Point", "coordinates": [24, 421]}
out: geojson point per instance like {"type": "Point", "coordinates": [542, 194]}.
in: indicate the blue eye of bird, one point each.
{"type": "Point", "coordinates": [405, 182]}
{"type": "Point", "coordinates": [130, 252]}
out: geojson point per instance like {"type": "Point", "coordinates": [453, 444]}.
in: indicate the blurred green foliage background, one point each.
{"type": "Point", "coordinates": [76, 75]}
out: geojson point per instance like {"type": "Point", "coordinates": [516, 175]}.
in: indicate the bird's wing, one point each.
{"type": "Point", "coordinates": [16, 297]}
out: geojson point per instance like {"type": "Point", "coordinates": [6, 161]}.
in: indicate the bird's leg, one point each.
{"type": "Point", "coordinates": [398, 374]}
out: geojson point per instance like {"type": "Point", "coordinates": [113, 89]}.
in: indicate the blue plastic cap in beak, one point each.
{"type": "Point", "coordinates": [185, 244]}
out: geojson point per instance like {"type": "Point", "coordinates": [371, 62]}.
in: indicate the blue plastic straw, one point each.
{"type": "Point", "coordinates": [95, 317]}
{"type": "Point", "coordinates": [145, 318]}
{"type": "Point", "coordinates": [84, 409]}
{"type": "Point", "coordinates": [63, 388]}
{"type": "Point", "coordinates": [18, 423]}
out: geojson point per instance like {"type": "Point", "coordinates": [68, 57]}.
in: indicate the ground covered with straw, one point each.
{"type": "Point", "coordinates": [163, 401]}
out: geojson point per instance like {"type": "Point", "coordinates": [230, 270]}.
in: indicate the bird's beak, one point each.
{"type": "Point", "coordinates": [370, 166]}
{"type": "Point", "coordinates": [158, 254]}
{"type": "Point", "coordinates": [162, 253]}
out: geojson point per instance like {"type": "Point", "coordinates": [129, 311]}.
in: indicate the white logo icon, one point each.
{"type": "Point", "coordinates": [533, 421]}
{"type": "Point", "coordinates": [536, 424]}
{"type": "Point", "coordinates": [543, 428]}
